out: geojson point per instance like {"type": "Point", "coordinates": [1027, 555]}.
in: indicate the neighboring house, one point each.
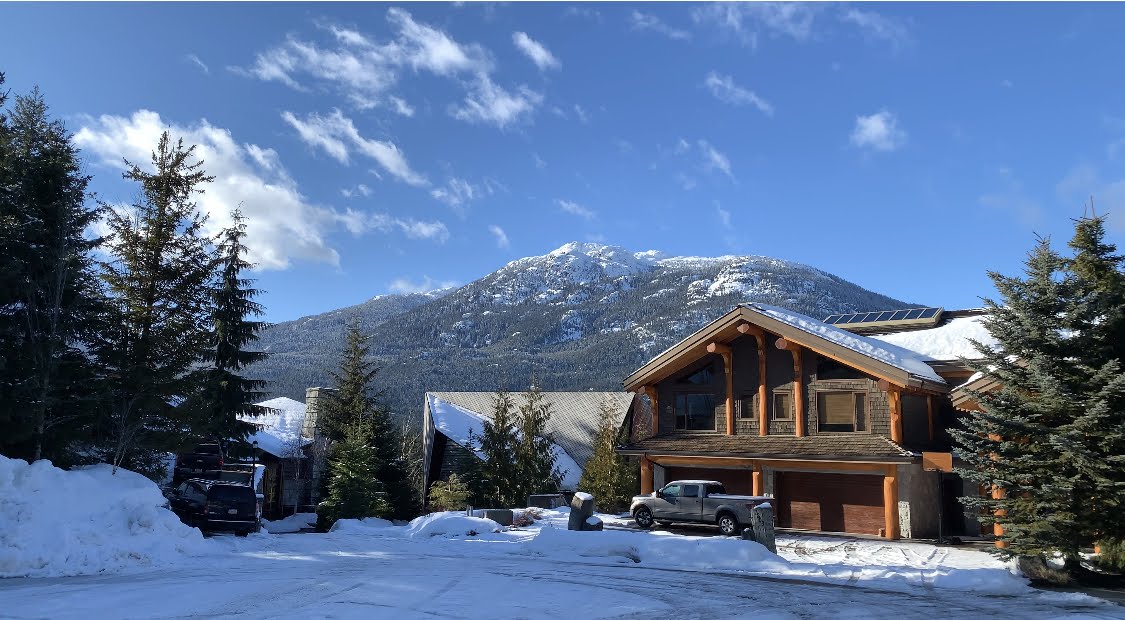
{"type": "Point", "coordinates": [448, 419]}
{"type": "Point", "coordinates": [284, 450]}
{"type": "Point", "coordinates": [831, 423]}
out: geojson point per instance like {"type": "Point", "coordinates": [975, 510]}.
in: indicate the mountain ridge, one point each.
{"type": "Point", "coordinates": [579, 317]}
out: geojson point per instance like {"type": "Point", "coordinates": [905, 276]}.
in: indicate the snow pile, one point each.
{"type": "Point", "coordinates": [55, 522]}
{"type": "Point", "coordinates": [290, 524]}
{"type": "Point", "coordinates": [450, 525]}
{"type": "Point", "coordinates": [947, 342]}
{"type": "Point", "coordinates": [360, 526]}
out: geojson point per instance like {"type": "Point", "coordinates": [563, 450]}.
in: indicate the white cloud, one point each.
{"type": "Point", "coordinates": [724, 217]}
{"type": "Point", "coordinates": [338, 136]}
{"type": "Point", "coordinates": [193, 59]}
{"type": "Point", "coordinates": [878, 131]}
{"type": "Point", "coordinates": [652, 23]}
{"type": "Point", "coordinates": [747, 21]}
{"type": "Point", "coordinates": [724, 89]}
{"type": "Point", "coordinates": [367, 71]}
{"type": "Point", "coordinates": [406, 286]}
{"type": "Point", "coordinates": [501, 236]}
{"type": "Point", "coordinates": [536, 51]}
{"type": "Point", "coordinates": [580, 112]}
{"type": "Point", "coordinates": [877, 27]}
{"type": "Point", "coordinates": [491, 104]}
{"type": "Point", "coordinates": [358, 190]}
{"type": "Point", "coordinates": [282, 224]}
{"type": "Point", "coordinates": [713, 159]}
{"type": "Point", "coordinates": [574, 208]}
{"type": "Point", "coordinates": [539, 162]}
{"type": "Point", "coordinates": [459, 192]}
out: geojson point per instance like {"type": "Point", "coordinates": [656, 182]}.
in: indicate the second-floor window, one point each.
{"type": "Point", "coordinates": [841, 412]}
{"type": "Point", "coordinates": [695, 412]}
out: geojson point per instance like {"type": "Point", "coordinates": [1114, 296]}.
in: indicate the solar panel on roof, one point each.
{"type": "Point", "coordinates": [857, 318]}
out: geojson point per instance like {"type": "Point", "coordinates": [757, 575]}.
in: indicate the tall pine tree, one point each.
{"type": "Point", "coordinates": [50, 296]}
{"type": "Point", "coordinates": [608, 476]}
{"type": "Point", "coordinates": [498, 445]}
{"type": "Point", "coordinates": [354, 490]}
{"type": "Point", "coordinates": [227, 394]}
{"type": "Point", "coordinates": [535, 456]}
{"type": "Point", "coordinates": [160, 283]}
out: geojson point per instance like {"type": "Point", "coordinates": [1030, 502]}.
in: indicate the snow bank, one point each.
{"type": "Point", "coordinates": [364, 525]}
{"type": "Point", "coordinates": [451, 525]}
{"type": "Point", "coordinates": [948, 342]}
{"type": "Point", "coordinates": [290, 524]}
{"type": "Point", "coordinates": [55, 522]}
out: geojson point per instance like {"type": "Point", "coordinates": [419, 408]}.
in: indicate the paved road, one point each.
{"type": "Point", "coordinates": [304, 576]}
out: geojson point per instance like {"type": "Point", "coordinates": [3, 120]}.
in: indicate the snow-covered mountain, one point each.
{"type": "Point", "coordinates": [580, 317]}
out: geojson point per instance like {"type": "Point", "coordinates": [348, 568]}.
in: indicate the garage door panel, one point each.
{"type": "Point", "coordinates": [851, 503]}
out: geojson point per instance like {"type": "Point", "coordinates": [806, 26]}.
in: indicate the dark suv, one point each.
{"type": "Point", "coordinates": [205, 461]}
{"type": "Point", "coordinates": [215, 505]}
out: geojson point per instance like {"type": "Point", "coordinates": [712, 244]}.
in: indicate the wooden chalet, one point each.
{"type": "Point", "coordinates": [843, 429]}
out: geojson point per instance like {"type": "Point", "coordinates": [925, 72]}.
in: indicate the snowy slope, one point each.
{"type": "Point", "coordinates": [947, 342]}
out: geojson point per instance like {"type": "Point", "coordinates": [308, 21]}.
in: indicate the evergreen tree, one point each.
{"type": "Point", "coordinates": [352, 402]}
{"type": "Point", "coordinates": [354, 490]}
{"type": "Point", "coordinates": [535, 456]}
{"type": "Point", "coordinates": [498, 445]}
{"type": "Point", "coordinates": [227, 394]}
{"type": "Point", "coordinates": [1095, 439]}
{"type": "Point", "coordinates": [450, 494]}
{"type": "Point", "coordinates": [50, 296]}
{"type": "Point", "coordinates": [608, 476]}
{"type": "Point", "coordinates": [160, 283]}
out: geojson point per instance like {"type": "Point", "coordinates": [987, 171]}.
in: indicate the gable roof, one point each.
{"type": "Point", "coordinates": [885, 360]}
{"type": "Point", "coordinates": [842, 446]}
{"type": "Point", "coordinates": [279, 429]}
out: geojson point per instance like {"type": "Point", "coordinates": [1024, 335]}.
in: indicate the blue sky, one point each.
{"type": "Point", "coordinates": [380, 148]}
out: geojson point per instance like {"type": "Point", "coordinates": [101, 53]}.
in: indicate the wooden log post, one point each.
{"type": "Point", "coordinates": [728, 374]}
{"type": "Point", "coordinates": [930, 414]}
{"type": "Point", "coordinates": [890, 503]}
{"type": "Point", "coordinates": [895, 398]}
{"type": "Point", "coordinates": [757, 487]}
{"type": "Point", "coordinates": [646, 476]}
{"type": "Point", "coordinates": [798, 386]}
{"type": "Point", "coordinates": [654, 402]}
{"type": "Point", "coordinates": [760, 340]}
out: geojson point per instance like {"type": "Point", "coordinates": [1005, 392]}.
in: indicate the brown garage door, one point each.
{"type": "Point", "coordinates": [738, 481]}
{"type": "Point", "coordinates": [851, 503]}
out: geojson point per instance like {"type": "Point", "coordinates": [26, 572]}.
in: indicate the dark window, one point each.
{"type": "Point", "coordinates": [695, 412]}
{"type": "Point", "coordinates": [745, 408]}
{"type": "Point", "coordinates": [841, 412]}
{"type": "Point", "coordinates": [691, 490]}
{"type": "Point", "coordinates": [703, 376]}
{"type": "Point", "coordinates": [672, 490]}
{"type": "Point", "coordinates": [232, 493]}
{"type": "Point", "coordinates": [782, 406]}
{"type": "Point", "coordinates": [831, 369]}
{"type": "Point", "coordinates": [715, 489]}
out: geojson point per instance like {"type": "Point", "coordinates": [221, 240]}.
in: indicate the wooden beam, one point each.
{"type": "Point", "coordinates": [763, 404]}
{"type": "Point", "coordinates": [930, 414]}
{"type": "Point", "coordinates": [654, 402]}
{"type": "Point", "coordinates": [728, 374]}
{"type": "Point", "coordinates": [757, 488]}
{"type": "Point", "coordinates": [890, 504]}
{"type": "Point", "coordinates": [646, 476]}
{"type": "Point", "coordinates": [738, 462]}
{"type": "Point", "coordinates": [798, 392]}
{"type": "Point", "coordinates": [895, 399]}
{"type": "Point", "coordinates": [997, 529]}
{"type": "Point", "coordinates": [747, 329]}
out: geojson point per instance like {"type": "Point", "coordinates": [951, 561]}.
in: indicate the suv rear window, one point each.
{"type": "Point", "coordinates": [232, 493]}
{"type": "Point", "coordinates": [208, 448]}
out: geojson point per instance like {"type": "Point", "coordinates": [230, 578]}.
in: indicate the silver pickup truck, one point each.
{"type": "Point", "coordinates": [695, 501]}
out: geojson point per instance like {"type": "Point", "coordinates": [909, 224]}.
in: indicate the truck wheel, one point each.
{"type": "Point", "coordinates": [643, 518]}
{"type": "Point", "coordinates": [728, 525]}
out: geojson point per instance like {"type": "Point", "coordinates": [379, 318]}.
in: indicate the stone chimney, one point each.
{"type": "Point", "coordinates": [312, 397]}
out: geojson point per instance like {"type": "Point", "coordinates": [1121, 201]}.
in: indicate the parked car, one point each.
{"type": "Point", "coordinates": [695, 501]}
{"type": "Point", "coordinates": [216, 505]}
{"type": "Point", "coordinates": [204, 461]}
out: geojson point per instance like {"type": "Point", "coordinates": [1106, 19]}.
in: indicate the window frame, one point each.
{"type": "Point", "coordinates": [856, 395]}
{"type": "Point", "coordinates": [790, 414]}
{"type": "Point", "coordinates": [676, 411]}
{"type": "Point", "coordinates": [746, 408]}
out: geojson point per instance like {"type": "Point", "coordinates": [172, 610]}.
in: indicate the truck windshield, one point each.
{"type": "Point", "coordinates": [715, 489]}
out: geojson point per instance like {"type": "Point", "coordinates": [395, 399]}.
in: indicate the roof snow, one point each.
{"type": "Point", "coordinates": [947, 342]}
{"type": "Point", "coordinates": [279, 430]}
{"type": "Point", "coordinates": [891, 354]}
{"type": "Point", "coordinates": [458, 423]}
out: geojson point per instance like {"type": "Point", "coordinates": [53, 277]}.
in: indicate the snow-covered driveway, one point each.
{"type": "Point", "coordinates": [345, 575]}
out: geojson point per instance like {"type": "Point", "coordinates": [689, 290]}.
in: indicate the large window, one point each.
{"type": "Point", "coordinates": [841, 412]}
{"type": "Point", "coordinates": [782, 406]}
{"type": "Point", "coordinates": [695, 412]}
